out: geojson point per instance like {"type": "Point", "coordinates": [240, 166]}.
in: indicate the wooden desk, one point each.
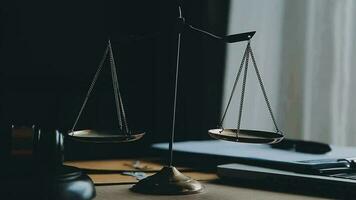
{"type": "Point", "coordinates": [111, 184]}
{"type": "Point", "coordinates": [105, 172]}
{"type": "Point", "coordinates": [212, 192]}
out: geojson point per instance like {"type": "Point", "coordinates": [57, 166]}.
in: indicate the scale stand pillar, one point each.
{"type": "Point", "coordinates": [169, 180]}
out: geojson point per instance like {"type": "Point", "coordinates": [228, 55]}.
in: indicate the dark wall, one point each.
{"type": "Point", "coordinates": [51, 50]}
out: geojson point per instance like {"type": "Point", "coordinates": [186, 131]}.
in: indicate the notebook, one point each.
{"type": "Point", "coordinates": [332, 173]}
{"type": "Point", "coordinates": [338, 159]}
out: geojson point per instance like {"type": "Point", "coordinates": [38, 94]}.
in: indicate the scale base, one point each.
{"type": "Point", "coordinates": [71, 183]}
{"type": "Point", "coordinates": [168, 181]}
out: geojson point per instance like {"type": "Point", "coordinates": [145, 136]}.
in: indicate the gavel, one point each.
{"type": "Point", "coordinates": [40, 152]}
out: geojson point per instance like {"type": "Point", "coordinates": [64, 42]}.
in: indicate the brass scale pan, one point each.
{"type": "Point", "coordinates": [246, 136]}
{"type": "Point", "coordinates": [112, 136]}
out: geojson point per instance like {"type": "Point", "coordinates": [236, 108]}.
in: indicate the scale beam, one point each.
{"type": "Point", "coordinates": [239, 37]}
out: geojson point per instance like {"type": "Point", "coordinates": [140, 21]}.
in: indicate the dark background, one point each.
{"type": "Point", "coordinates": [49, 52]}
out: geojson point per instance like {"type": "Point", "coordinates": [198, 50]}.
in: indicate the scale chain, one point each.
{"type": "Point", "coordinates": [233, 88]}
{"type": "Point", "coordinates": [243, 91]}
{"type": "Point", "coordinates": [112, 66]}
{"type": "Point", "coordinates": [248, 52]}
{"type": "Point", "coordinates": [91, 87]}
{"type": "Point", "coordinates": [263, 88]}
{"type": "Point", "coordinates": [124, 115]}
{"type": "Point", "coordinates": [118, 100]}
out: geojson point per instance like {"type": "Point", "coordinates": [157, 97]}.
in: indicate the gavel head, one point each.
{"type": "Point", "coordinates": [48, 148]}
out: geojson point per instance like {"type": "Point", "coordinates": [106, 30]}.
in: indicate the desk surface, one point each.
{"type": "Point", "coordinates": [105, 172]}
{"type": "Point", "coordinates": [111, 184]}
{"type": "Point", "coordinates": [212, 192]}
